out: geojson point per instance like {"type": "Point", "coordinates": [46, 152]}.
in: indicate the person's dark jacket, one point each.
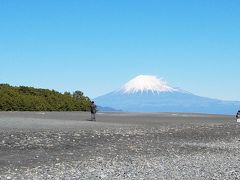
{"type": "Point", "coordinates": [93, 108]}
{"type": "Point", "coordinates": [238, 114]}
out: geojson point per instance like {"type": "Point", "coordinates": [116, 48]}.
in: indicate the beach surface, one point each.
{"type": "Point", "coordinates": [67, 145]}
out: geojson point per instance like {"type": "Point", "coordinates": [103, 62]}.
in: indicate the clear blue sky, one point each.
{"type": "Point", "coordinates": [98, 45]}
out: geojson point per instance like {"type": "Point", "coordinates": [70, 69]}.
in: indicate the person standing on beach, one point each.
{"type": "Point", "coordinates": [93, 108]}
{"type": "Point", "coordinates": [238, 114]}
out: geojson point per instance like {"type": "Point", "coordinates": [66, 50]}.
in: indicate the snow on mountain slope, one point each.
{"type": "Point", "coordinates": [143, 83]}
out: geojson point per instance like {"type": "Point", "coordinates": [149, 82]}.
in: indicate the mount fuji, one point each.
{"type": "Point", "coordinates": [147, 93]}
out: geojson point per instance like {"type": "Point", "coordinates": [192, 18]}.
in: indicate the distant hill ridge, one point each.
{"type": "Point", "coordinates": [24, 98]}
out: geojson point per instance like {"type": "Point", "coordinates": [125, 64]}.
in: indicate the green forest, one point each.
{"type": "Point", "coordinates": [24, 98]}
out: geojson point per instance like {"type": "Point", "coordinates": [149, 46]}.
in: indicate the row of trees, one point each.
{"type": "Point", "coordinates": [32, 99]}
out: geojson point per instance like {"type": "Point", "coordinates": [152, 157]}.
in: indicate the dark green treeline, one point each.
{"type": "Point", "coordinates": [32, 99]}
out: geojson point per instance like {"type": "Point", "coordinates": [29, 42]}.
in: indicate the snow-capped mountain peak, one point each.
{"type": "Point", "coordinates": [145, 83]}
{"type": "Point", "coordinates": [151, 94]}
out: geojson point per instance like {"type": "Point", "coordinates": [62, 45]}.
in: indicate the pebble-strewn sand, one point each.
{"type": "Point", "coordinates": [62, 145]}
